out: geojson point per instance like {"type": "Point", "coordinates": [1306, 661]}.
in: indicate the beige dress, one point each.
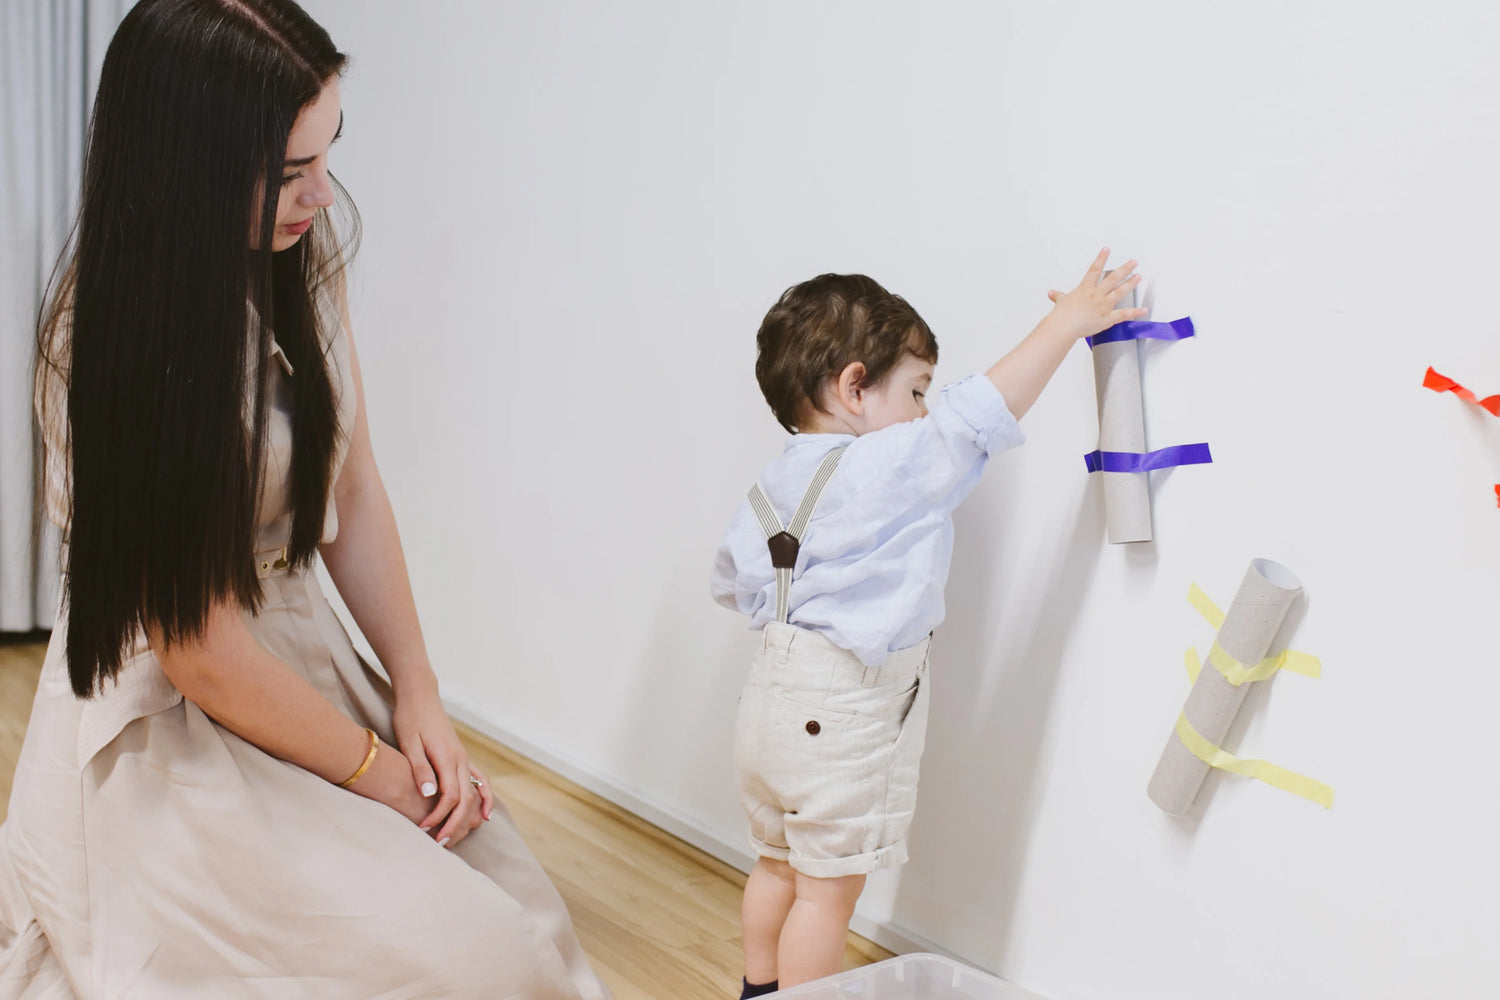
{"type": "Point", "coordinates": [151, 853]}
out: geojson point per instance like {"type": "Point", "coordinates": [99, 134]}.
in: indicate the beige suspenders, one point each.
{"type": "Point", "coordinates": [784, 542]}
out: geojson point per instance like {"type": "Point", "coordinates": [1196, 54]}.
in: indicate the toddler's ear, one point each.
{"type": "Point", "coordinates": [850, 387]}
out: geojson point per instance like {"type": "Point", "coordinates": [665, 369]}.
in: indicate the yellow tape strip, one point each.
{"type": "Point", "coordinates": [1233, 670]}
{"type": "Point", "coordinates": [1261, 770]}
{"type": "Point", "coordinates": [1237, 673]}
{"type": "Point", "coordinates": [1205, 605]}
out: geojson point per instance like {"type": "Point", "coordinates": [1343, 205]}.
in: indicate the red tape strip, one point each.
{"type": "Point", "coordinates": [1442, 383]}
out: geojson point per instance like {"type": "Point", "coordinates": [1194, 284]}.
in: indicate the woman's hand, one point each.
{"type": "Point", "coordinates": [1090, 308]}
{"type": "Point", "coordinates": [389, 782]}
{"type": "Point", "coordinates": [440, 767]}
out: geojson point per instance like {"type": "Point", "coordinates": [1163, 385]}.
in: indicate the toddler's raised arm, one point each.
{"type": "Point", "coordinates": [1086, 310]}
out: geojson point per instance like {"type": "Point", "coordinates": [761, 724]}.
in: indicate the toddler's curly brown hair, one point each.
{"type": "Point", "coordinates": [821, 326]}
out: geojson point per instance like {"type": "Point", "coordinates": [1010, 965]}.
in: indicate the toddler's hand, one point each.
{"type": "Point", "coordinates": [1090, 308]}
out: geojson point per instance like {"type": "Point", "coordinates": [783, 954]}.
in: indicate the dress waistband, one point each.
{"type": "Point", "coordinates": [268, 562]}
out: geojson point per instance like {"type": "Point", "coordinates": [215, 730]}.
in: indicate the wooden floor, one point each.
{"type": "Point", "coordinates": [659, 918]}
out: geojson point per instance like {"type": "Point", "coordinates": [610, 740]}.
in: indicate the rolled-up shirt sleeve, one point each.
{"type": "Point", "coordinates": [936, 461]}
{"type": "Point", "coordinates": [973, 410]}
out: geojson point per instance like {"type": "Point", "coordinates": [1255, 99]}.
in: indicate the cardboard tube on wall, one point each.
{"type": "Point", "coordinates": [1122, 427]}
{"type": "Point", "coordinates": [1266, 595]}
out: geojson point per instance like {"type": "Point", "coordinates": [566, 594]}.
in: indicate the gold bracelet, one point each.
{"type": "Point", "coordinates": [369, 759]}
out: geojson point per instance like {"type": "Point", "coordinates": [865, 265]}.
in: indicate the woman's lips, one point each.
{"type": "Point", "coordinates": [297, 229]}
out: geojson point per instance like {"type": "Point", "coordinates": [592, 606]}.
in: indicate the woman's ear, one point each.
{"type": "Point", "coordinates": [850, 387]}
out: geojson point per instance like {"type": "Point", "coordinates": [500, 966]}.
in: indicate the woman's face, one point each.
{"type": "Point", "coordinates": [305, 186]}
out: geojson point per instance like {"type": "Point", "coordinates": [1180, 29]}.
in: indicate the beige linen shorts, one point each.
{"type": "Point", "coordinates": [826, 752]}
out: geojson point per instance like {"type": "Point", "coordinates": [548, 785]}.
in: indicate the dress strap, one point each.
{"type": "Point", "coordinates": [785, 543]}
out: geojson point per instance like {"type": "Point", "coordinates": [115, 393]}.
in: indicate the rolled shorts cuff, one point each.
{"type": "Point", "coordinates": [765, 850]}
{"type": "Point", "coordinates": [859, 864]}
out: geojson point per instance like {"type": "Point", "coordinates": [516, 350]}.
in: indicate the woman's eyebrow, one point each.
{"type": "Point", "coordinates": [304, 161]}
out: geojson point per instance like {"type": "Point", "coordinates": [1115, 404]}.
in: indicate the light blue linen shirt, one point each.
{"type": "Point", "coordinates": [875, 556]}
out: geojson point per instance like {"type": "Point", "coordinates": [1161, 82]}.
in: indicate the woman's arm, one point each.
{"type": "Point", "coordinates": [366, 561]}
{"type": "Point", "coordinates": [369, 569]}
{"type": "Point", "coordinates": [256, 696]}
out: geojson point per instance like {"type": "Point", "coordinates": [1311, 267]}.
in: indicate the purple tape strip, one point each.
{"type": "Point", "coordinates": [1135, 329]}
{"type": "Point", "coordinates": [1133, 461]}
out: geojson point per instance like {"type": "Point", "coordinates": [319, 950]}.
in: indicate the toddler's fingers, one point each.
{"type": "Point", "coordinates": [1096, 269]}
{"type": "Point", "coordinates": [1123, 315]}
{"type": "Point", "coordinates": [1120, 275]}
{"type": "Point", "coordinates": [1121, 290]}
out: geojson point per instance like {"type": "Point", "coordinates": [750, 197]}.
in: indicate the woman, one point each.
{"type": "Point", "coordinates": [216, 796]}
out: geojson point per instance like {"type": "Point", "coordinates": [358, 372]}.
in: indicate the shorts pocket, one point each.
{"type": "Point", "coordinates": [817, 741]}
{"type": "Point", "coordinates": [788, 715]}
{"type": "Point", "coordinates": [911, 739]}
{"type": "Point", "coordinates": [908, 699]}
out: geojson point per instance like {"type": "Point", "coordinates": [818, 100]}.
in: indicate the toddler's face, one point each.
{"type": "Point", "coordinates": [901, 397]}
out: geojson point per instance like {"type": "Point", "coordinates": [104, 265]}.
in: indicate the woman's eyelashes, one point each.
{"type": "Point", "coordinates": [290, 177]}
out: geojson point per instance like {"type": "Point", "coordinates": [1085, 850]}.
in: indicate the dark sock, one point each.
{"type": "Point", "coordinates": [752, 990]}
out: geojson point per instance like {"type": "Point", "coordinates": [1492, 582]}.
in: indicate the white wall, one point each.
{"type": "Point", "coordinates": [578, 212]}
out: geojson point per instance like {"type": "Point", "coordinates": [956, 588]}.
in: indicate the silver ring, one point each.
{"type": "Point", "coordinates": [475, 782]}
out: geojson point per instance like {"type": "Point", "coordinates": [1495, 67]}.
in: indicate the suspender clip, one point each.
{"type": "Point", "coordinates": [784, 547]}
{"type": "Point", "coordinates": [785, 541]}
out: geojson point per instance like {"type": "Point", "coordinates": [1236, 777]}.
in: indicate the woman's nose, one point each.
{"type": "Point", "coordinates": [319, 194]}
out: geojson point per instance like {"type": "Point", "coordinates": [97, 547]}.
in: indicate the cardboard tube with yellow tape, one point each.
{"type": "Point", "coordinates": [1122, 427]}
{"type": "Point", "coordinates": [1268, 592]}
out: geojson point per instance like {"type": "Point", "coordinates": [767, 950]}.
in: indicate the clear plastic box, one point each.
{"type": "Point", "coordinates": [910, 977]}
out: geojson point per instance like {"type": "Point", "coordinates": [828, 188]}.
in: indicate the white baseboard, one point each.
{"type": "Point", "coordinates": [890, 936]}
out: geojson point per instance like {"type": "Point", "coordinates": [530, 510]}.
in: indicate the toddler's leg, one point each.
{"type": "Point", "coordinates": [769, 893]}
{"type": "Point", "coordinates": [813, 938]}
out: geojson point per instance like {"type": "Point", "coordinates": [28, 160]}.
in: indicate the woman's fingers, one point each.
{"type": "Point", "coordinates": [486, 796]}
{"type": "Point", "coordinates": [448, 802]}
{"type": "Point", "coordinates": [443, 810]}
{"type": "Point", "coordinates": [465, 816]}
{"type": "Point", "coordinates": [421, 770]}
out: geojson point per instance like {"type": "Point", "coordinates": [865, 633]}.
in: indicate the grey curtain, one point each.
{"type": "Point", "coordinates": [50, 54]}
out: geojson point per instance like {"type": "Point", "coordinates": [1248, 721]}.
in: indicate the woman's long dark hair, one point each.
{"type": "Point", "coordinates": [160, 325]}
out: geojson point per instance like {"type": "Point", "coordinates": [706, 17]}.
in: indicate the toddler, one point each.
{"type": "Point", "coordinates": [839, 557]}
